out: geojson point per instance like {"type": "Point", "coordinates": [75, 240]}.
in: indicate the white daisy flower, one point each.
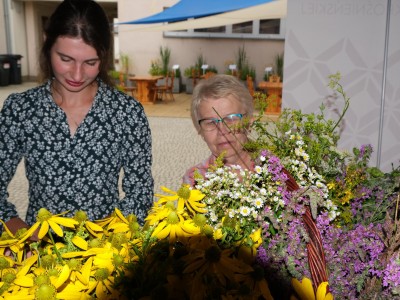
{"type": "Point", "coordinates": [245, 211]}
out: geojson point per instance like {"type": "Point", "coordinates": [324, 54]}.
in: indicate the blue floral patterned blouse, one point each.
{"type": "Point", "coordinates": [80, 172]}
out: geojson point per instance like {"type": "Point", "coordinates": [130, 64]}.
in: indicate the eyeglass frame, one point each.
{"type": "Point", "coordinates": [220, 120]}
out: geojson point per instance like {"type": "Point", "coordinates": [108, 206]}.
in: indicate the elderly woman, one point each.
{"type": "Point", "coordinates": [221, 106]}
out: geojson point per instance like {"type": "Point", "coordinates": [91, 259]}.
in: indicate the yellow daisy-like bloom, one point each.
{"type": "Point", "coordinates": [216, 260]}
{"type": "Point", "coordinates": [7, 238]}
{"type": "Point", "coordinates": [159, 212]}
{"type": "Point", "coordinates": [103, 284]}
{"type": "Point", "coordinates": [118, 224]}
{"type": "Point", "coordinates": [172, 227]}
{"type": "Point", "coordinates": [116, 217]}
{"type": "Point", "coordinates": [91, 227]}
{"type": "Point", "coordinates": [186, 197]}
{"type": "Point", "coordinates": [46, 220]}
{"type": "Point", "coordinates": [212, 261]}
{"type": "Point", "coordinates": [305, 290]}
{"type": "Point", "coordinates": [24, 279]}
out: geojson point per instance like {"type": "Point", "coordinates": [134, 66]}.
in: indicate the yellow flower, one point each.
{"type": "Point", "coordinates": [46, 220]}
{"type": "Point", "coordinates": [173, 226]}
{"type": "Point", "coordinates": [331, 185]}
{"type": "Point", "coordinates": [187, 198]}
{"type": "Point", "coordinates": [305, 290]}
{"type": "Point", "coordinates": [91, 227]}
{"type": "Point", "coordinates": [116, 217]}
{"type": "Point", "coordinates": [159, 212]}
{"type": "Point", "coordinates": [103, 283]}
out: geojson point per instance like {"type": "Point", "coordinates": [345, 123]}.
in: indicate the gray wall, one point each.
{"type": "Point", "coordinates": [328, 36]}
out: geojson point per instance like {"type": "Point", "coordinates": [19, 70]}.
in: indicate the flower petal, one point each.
{"type": "Point", "coordinates": [67, 222]}
{"type": "Point", "coordinates": [57, 229]}
{"type": "Point", "coordinates": [304, 288]}
{"type": "Point", "coordinates": [63, 276]}
{"type": "Point", "coordinates": [80, 242]}
{"type": "Point", "coordinates": [43, 229]}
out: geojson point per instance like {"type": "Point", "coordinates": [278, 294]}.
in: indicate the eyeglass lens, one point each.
{"type": "Point", "coordinates": [211, 124]}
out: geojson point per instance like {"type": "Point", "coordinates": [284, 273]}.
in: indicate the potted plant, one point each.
{"type": "Point", "coordinates": [155, 68]}
{"type": "Point", "coordinates": [177, 80]}
{"type": "Point", "coordinates": [278, 70]}
{"type": "Point", "coordinates": [165, 56]}
{"type": "Point", "coordinates": [193, 73]}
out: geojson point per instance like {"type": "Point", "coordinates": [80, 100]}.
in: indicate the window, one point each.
{"type": "Point", "coordinates": [246, 27]}
{"type": "Point", "coordinates": [269, 26]}
{"type": "Point", "coordinates": [257, 29]}
{"type": "Point", "coordinates": [211, 29]}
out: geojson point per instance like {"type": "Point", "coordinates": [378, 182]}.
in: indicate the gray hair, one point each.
{"type": "Point", "coordinates": [220, 86]}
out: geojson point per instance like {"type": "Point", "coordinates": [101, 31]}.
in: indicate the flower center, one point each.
{"type": "Point", "coordinates": [101, 274]}
{"type": "Point", "coordinates": [46, 292]}
{"type": "Point", "coordinates": [4, 263]}
{"type": "Point", "coordinates": [213, 254]}
{"type": "Point", "coordinates": [173, 218]}
{"type": "Point", "coordinates": [43, 215]}
{"type": "Point", "coordinates": [184, 192]}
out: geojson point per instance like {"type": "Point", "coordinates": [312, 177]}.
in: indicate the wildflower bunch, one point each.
{"type": "Point", "coordinates": [240, 201]}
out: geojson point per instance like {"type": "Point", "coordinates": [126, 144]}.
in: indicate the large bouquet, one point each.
{"type": "Point", "coordinates": [308, 214]}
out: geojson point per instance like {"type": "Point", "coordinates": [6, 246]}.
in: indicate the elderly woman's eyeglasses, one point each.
{"type": "Point", "coordinates": [212, 123]}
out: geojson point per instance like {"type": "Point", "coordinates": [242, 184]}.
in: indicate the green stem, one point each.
{"type": "Point", "coordinates": [55, 248]}
{"type": "Point", "coordinates": [346, 105]}
{"type": "Point", "coordinates": [395, 215]}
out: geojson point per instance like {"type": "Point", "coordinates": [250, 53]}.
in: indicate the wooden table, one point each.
{"type": "Point", "coordinates": [274, 95]}
{"type": "Point", "coordinates": [145, 84]}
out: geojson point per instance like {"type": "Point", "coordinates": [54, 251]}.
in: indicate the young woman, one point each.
{"type": "Point", "coordinates": [76, 132]}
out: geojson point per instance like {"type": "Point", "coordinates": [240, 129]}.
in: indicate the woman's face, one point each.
{"type": "Point", "coordinates": [75, 64]}
{"type": "Point", "coordinates": [222, 139]}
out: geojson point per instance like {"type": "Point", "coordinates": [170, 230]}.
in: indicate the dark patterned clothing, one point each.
{"type": "Point", "coordinates": [79, 172]}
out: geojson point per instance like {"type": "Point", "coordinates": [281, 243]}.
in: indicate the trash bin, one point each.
{"type": "Point", "coordinates": [4, 70]}
{"type": "Point", "coordinates": [15, 68]}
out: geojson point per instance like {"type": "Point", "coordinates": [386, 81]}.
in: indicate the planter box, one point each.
{"type": "Point", "coordinates": [177, 85]}
{"type": "Point", "coordinates": [189, 86]}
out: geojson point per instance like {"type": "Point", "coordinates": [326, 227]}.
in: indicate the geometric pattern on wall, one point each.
{"type": "Point", "coordinates": [311, 57]}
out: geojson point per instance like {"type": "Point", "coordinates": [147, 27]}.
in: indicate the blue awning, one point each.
{"type": "Point", "coordinates": [186, 9]}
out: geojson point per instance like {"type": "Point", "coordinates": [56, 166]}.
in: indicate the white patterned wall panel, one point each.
{"type": "Point", "coordinates": [347, 36]}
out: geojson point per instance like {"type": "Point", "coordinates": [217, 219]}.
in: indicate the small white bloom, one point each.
{"type": "Point", "coordinates": [258, 169]}
{"type": "Point", "coordinates": [219, 171]}
{"type": "Point", "coordinates": [258, 202]}
{"type": "Point", "coordinates": [245, 211]}
{"type": "Point", "coordinates": [263, 191]}
{"type": "Point", "coordinates": [319, 184]}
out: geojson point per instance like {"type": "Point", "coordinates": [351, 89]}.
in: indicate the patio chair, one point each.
{"type": "Point", "coordinates": [250, 85]}
{"type": "Point", "coordinates": [208, 75]}
{"type": "Point", "coordinates": [127, 89]}
{"type": "Point", "coordinates": [165, 92]}
{"type": "Point", "coordinates": [195, 77]}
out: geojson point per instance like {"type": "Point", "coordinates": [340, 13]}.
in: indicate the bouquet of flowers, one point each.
{"type": "Point", "coordinates": [308, 222]}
